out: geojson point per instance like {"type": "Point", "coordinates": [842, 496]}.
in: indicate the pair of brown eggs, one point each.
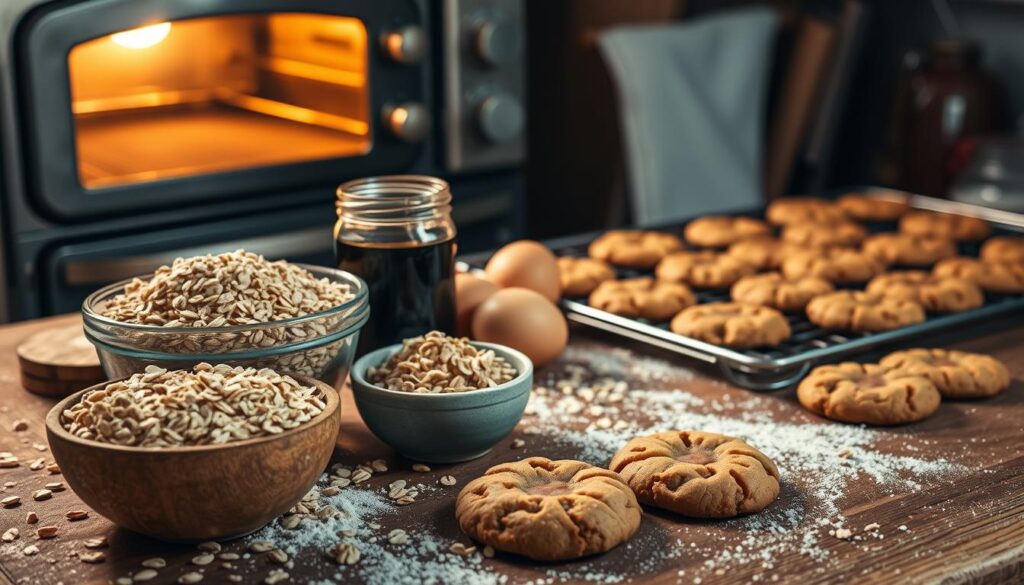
{"type": "Point", "coordinates": [514, 304]}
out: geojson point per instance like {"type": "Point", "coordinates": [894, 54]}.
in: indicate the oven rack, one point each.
{"type": "Point", "coordinates": [766, 369]}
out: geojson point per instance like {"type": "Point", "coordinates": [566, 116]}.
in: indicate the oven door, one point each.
{"type": "Point", "coordinates": [145, 104]}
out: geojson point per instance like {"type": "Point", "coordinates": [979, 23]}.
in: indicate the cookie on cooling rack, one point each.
{"type": "Point", "coordinates": [957, 374]}
{"type": "Point", "coordinates": [945, 225]}
{"type": "Point", "coordinates": [868, 394]}
{"type": "Point", "coordinates": [937, 294]}
{"type": "Point", "coordinates": [580, 276]}
{"type": "Point", "coordinates": [719, 231]}
{"type": "Point", "coordinates": [791, 210]}
{"type": "Point", "coordinates": [854, 310]}
{"type": "Point", "coordinates": [996, 277]}
{"type": "Point", "coordinates": [763, 253]}
{"type": "Point", "coordinates": [704, 269]}
{"type": "Point", "coordinates": [1003, 249]}
{"type": "Point", "coordinates": [642, 297]}
{"type": "Point", "coordinates": [821, 235]}
{"type": "Point", "coordinates": [633, 248]}
{"type": "Point", "coordinates": [733, 325]}
{"type": "Point", "coordinates": [772, 289]}
{"type": "Point", "coordinates": [888, 207]}
{"type": "Point", "coordinates": [909, 249]}
{"type": "Point", "coordinates": [837, 265]}
{"type": "Point", "coordinates": [697, 474]}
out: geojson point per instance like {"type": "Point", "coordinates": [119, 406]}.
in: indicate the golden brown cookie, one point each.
{"type": "Point", "coordinates": [702, 475]}
{"type": "Point", "coordinates": [771, 289]}
{"type": "Point", "coordinates": [1003, 249]}
{"type": "Point", "coordinates": [854, 310]}
{"type": "Point", "coordinates": [705, 269]}
{"type": "Point", "coordinates": [821, 235]}
{"type": "Point", "coordinates": [732, 325]}
{"type": "Point", "coordinates": [838, 265]}
{"type": "Point", "coordinates": [936, 294]}
{"type": "Point", "coordinates": [880, 206]}
{"type": "Point", "coordinates": [642, 297]}
{"type": "Point", "coordinates": [634, 249]}
{"type": "Point", "coordinates": [762, 253]}
{"type": "Point", "coordinates": [788, 210]}
{"type": "Point", "coordinates": [957, 374]}
{"type": "Point", "coordinates": [580, 276]}
{"type": "Point", "coordinates": [991, 276]}
{"type": "Point", "coordinates": [548, 510]}
{"type": "Point", "coordinates": [721, 230]}
{"type": "Point", "coordinates": [868, 393]}
{"type": "Point", "coordinates": [909, 250]}
{"type": "Point", "coordinates": [945, 225]}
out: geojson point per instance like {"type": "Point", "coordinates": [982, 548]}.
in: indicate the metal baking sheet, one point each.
{"type": "Point", "coordinates": [779, 367]}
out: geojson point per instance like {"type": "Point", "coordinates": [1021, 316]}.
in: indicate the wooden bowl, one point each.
{"type": "Point", "coordinates": [197, 493]}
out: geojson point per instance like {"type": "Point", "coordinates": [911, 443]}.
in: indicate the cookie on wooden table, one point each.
{"type": "Point", "coordinates": [762, 253]}
{"type": "Point", "coordinates": [733, 325]}
{"type": "Point", "coordinates": [887, 207]}
{"type": "Point", "coordinates": [854, 310]}
{"type": "Point", "coordinates": [642, 297]}
{"type": "Point", "coordinates": [721, 230]}
{"type": "Point", "coordinates": [946, 225]}
{"type": "Point", "coordinates": [821, 235]}
{"type": "Point", "coordinates": [704, 269]}
{"type": "Point", "coordinates": [702, 475]}
{"type": "Point", "coordinates": [991, 276]}
{"type": "Point", "coordinates": [957, 374]}
{"type": "Point", "coordinates": [633, 248]}
{"type": "Point", "coordinates": [1003, 249]}
{"type": "Point", "coordinates": [789, 210]}
{"type": "Point", "coordinates": [548, 510]}
{"type": "Point", "coordinates": [580, 276]}
{"type": "Point", "coordinates": [937, 294]}
{"type": "Point", "coordinates": [909, 249]}
{"type": "Point", "coordinates": [837, 265]}
{"type": "Point", "coordinates": [868, 393]}
{"type": "Point", "coordinates": [772, 289]}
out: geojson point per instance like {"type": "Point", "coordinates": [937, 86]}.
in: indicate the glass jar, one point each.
{"type": "Point", "coordinates": [397, 233]}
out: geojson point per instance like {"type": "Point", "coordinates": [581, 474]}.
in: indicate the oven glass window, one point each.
{"type": "Point", "coordinates": [206, 95]}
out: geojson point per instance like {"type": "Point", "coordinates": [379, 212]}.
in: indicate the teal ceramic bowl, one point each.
{"type": "Point", "coordinates": [443, 428]}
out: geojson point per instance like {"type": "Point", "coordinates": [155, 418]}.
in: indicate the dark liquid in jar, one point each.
{"type": "Point", "coordinates": [412, 289]}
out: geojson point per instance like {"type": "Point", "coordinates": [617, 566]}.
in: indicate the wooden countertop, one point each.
{"type": "Point", "coordinates": [947, 494]}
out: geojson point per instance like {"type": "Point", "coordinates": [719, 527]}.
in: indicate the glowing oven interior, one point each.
{"type": "Point", "coordinates": [191, 97]}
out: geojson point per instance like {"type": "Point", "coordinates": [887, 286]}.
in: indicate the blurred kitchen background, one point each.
{"type": "Point", "coordinates": [135, 131]}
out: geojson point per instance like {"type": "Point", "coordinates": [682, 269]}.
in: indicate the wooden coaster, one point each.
{"type": "Point", "coordinates": [59, 361]}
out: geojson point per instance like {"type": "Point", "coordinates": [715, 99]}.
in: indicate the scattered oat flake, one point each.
{"type": "Point", "coordinates": [99, 542]}
{"type": "Point", "coordinates": [30, 550]}
{"type": "Point", "coordinates": [55, 486]}
{"type": "Point", "coordinates": [53, 468]}
{"type": "Point", "coordinates": [278, 556]}
{"type": "Point", "coordinates": [202, 560]}
{"type": "Point", "coordinates": [40, 495]}
{"type": "Point", "coordinates": [76, 515]}
{"type": "Point", "coordinates": [46, 531]}
{"type": "Point", "coordinates": [154, 563]}
{"type": "Point", "coordinates": [92, 557]}
{"type": "Point", "coordinates": [37, 464]}
{"type": "Point", "coordinates": [448, 480]}
{"type": "Point", "coordinates": [518, 443]}
{"type": "Point", "coordinates": [144, 575]}
{"type": "Point", "coordinates": [420, 468]}
{"type": "Point", "coordinates": [261, 546]}
{"type": "Point", "coordinates": [843, 533]}
{"type": "Point", "coordinates": [872, 527]}
{"type": "Point", "coordinates": [10, 501]}
{"type": "Point", "coordinates": [276, 576]}
{"type": "Point", "coordinates": [209, 546]}
{"type": "Point", "coordinates": [192, 577]}
{"type": "Point", "coordinates": [10, 535]}
{"type": "Point", "coordinates": [31, 518]}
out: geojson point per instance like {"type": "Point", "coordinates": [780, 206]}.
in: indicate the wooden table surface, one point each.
{"type": "Point", "coordinates": [946, 494]}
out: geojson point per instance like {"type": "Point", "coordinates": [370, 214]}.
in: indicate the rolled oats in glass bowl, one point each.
{"type": "Point", "coordinates": [235, 308]}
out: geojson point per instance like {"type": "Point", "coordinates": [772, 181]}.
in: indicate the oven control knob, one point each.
{"type": "Point", "coordinates": [406, 45]}
{"type": "Point", "coordinates": [408, 121]}
{"type": "Point", "coordinates": [500, 118]}
{"type": "Point", "coordinates": [498, 42]}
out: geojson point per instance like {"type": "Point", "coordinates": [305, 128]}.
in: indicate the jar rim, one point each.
{"type": "Point", "coordinates": [393, 186]}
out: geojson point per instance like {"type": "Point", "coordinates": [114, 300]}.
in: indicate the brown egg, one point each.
{"type": "Point", "coordinates": [522, 319]}
{"type": "Point", "coordinates": [470, 291]}
{"type": "Point", "coordinates": [527, 264]}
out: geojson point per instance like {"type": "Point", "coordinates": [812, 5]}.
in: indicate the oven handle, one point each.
{"type": "Point", "coordinates": [291, 244]}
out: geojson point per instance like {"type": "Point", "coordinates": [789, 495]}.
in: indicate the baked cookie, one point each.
{"type": "Point", "coordinates": [1003, 249]}
{"type": "Point", "coordinates": [771, 289]}
{"type": "Point", "coordinates": [705, 269]}
{"type": "Point", "coordinates": [946, 225]}
{"type": "Point", "coordinates": [854, 310]}
{"type": "Point", "coordinates": [642, 297]}
{"type": "Point", "coordinates": [879, 206]}
{"type": "Point", "coordinates": [821, 235]}
{"type": "Point", "coordinates": [908, 249]}
{"type": "Point", "coordinates": [702, 475]}
{"type": "Point", "coordinates": [936, 294]}
{"type": "Point", "coordinates": [957, 374]}
{"type": "Point", "coordinates": [721, 230]}
{"type": "Point", "coordinates": [868, 393]}
{"type": "Point", "coordinates": [580, 276]}
{"type": "Point", "coordinates": [634, 249]}
{"type": "Point", "coordinates": [762, 253]}
{"type": "Point", "coordinates": [732, 325]}
{"type": "Point", "coordinates": [787, 210]}
{"type": "Point", "coordinates": [548, 510]}
{"type": "Point", "coordinates": [991, 276]}
{"type": "Point", "coordinates": [838, 265]}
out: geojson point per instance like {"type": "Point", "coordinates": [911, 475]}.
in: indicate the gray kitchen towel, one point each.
{"type": "Point", "coordinates": [692, 102]}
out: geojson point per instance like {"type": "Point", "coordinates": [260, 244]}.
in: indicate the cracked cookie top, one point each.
{"type": "Point", "coordinates": [868, 393]}
{"type": "Point", "coordinates": [548, 510]}
{"type": "Point", "coordinates": [703, 475]}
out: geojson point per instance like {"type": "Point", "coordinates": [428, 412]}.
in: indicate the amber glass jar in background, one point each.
{"type": "Point", "coordinates": [397, 233]}
{"type": "Point", "coordinates": [949, 98]}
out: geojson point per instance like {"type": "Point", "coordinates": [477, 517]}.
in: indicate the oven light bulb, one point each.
{"type": "Point", "coordinates": [143, 37]}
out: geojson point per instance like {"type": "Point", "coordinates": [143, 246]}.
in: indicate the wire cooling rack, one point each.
{"type": "Point", "coordinates": [782, 366]}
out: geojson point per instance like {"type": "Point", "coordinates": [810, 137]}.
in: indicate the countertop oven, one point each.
{"type": "Point", "coordinates": [136, 129]}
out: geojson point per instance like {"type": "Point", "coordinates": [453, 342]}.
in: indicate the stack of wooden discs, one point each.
{"type": "Point", "coordinates": [58, 362]}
